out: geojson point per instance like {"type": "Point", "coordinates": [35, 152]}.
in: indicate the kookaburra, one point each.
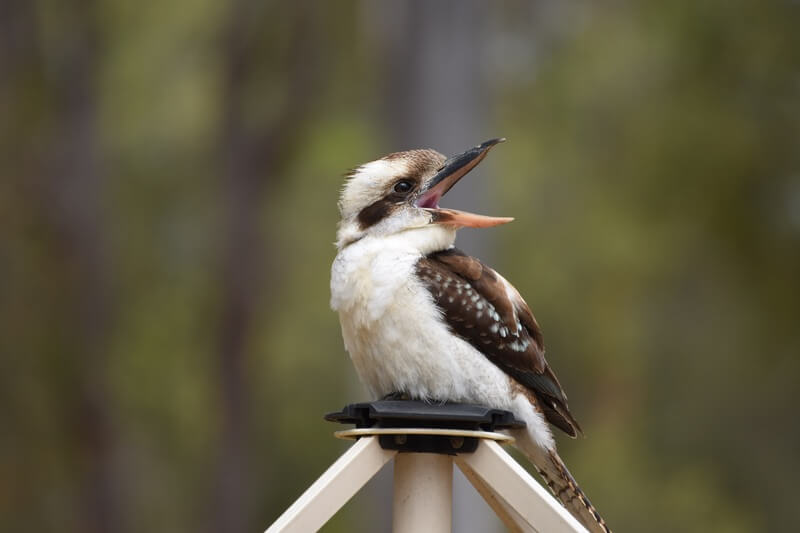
{"type": "Point", "coordinates": [422, 319]}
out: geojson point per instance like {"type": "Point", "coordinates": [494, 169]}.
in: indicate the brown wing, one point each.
{"type": "Point", "coordinates": [484, 309]}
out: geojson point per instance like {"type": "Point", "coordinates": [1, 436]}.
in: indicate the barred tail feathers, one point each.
{"type": "Point", "coordinates": [558, 479]}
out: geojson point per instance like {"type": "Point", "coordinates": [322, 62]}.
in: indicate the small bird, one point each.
{"type": "Point", "coordinates": [422, 320]}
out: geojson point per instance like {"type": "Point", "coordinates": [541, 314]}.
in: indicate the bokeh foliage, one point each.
{"type": "Point", "coordinates": [168, 203]}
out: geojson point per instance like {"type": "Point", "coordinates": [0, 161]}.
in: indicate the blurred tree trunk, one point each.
{"type": "Point", "coordinates": [242, 263]}
{"type": "Point", "coordinates": [71, 190]}
{"type": "Point", "coordinates": [254, 156]}
{"type": "Point", "coordinates": [437, 96]}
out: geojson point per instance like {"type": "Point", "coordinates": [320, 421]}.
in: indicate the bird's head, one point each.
{"type": "Point", "coordinates": [401, 191]}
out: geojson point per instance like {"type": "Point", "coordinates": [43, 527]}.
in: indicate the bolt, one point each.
{"type": "Point", "coordinates": [400, 439]}
{"type": "Point", "coordinates": [456, 442]}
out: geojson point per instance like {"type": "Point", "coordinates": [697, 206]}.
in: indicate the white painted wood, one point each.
{"type": "Point", "coordinates": [533, 506]}
{"type": "Point", "coordinates": [423, 493]}
{"type": "Point", "coordinates": [334, 488]}
{"type": "Point", "coordinates": [423, 488]}
{"type": "Point", "coordinates": [510, 518]}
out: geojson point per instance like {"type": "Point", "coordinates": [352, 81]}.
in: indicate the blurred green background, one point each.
{"type": "Point", "coordinates": [168, 181]}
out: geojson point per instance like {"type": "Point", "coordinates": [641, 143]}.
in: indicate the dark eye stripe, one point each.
{"type": "Point", "coordinates": [375, 212]}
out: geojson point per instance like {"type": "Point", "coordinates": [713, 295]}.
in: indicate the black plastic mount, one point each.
{"type": "Point", "coordinates": [418, 414]}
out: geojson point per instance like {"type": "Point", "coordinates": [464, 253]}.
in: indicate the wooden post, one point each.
{"type": "Point", "coordinates": [423, 493]}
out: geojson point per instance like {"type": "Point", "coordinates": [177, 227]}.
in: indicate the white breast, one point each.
{"type": "Point", "coordinates": [395, 334]}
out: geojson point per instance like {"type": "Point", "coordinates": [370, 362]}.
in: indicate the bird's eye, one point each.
{"type": "Point", "coordinates": [403, 186]}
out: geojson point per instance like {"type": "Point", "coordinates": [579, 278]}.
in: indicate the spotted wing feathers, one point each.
{"type": "Point", "coordinates": [484, 309]}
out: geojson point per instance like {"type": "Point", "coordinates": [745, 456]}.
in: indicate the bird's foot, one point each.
{"type": "Point", "coordinates": [396, 395]}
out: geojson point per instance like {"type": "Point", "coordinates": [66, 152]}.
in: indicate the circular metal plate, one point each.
{"type": "Point", "coordinates": [363, 432]}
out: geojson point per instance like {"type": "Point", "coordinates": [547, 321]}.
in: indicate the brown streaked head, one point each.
{"type": "Point", "coordinates": [415, 167]}
{"type": "Point", "coordinates": [401, 191]}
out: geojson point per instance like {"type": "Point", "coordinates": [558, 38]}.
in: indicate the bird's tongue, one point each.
{"type": "Point", "coordinates": [460, 219]}
{"type": "Point", "coordinates": [454, 217]}
{"type": "Point", "coordinates": [451, 171]}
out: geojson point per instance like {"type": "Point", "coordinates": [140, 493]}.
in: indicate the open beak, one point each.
{"type": "Point", "coordinates": [453, 170]}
